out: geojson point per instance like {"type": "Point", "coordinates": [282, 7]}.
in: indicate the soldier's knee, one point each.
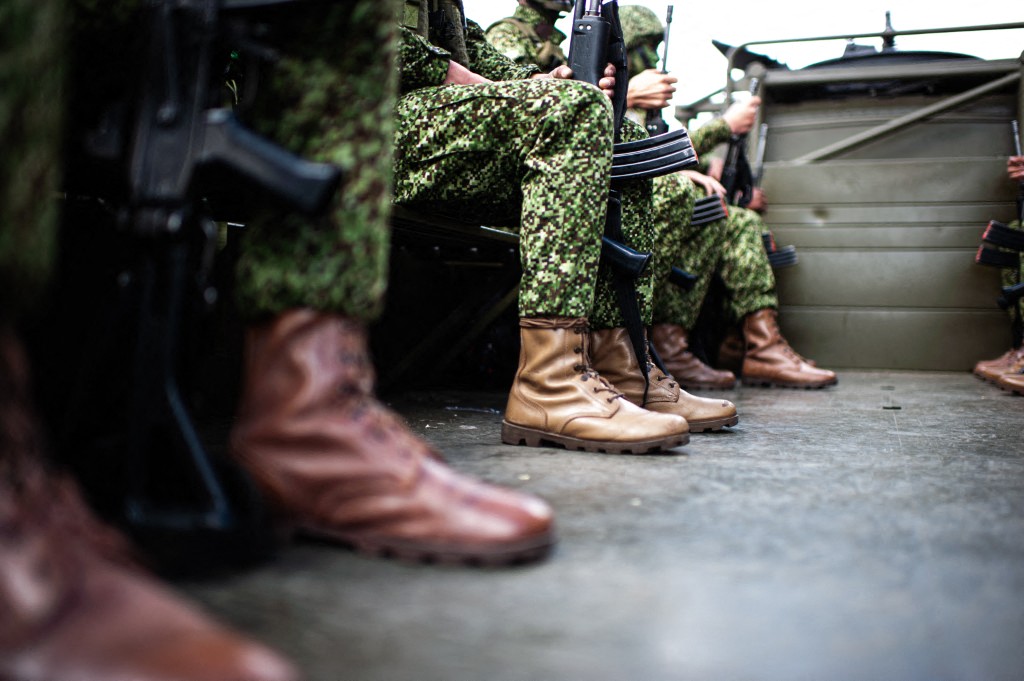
{"type": "Point", "coordinates": [583, 106]}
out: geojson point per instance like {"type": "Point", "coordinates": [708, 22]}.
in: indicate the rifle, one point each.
{"type": "Point", "coordinates": [177, 148]}
{"type": "Point", "coordinates": [737, 177]}
{"type": "Point", "coordinates": [1020, 185]}
{"type": "Point", "coordinates": [596, 41]}
{"type": "Point", "coordinates": [653, 120]}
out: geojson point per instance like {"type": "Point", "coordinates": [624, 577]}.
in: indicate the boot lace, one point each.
{"type": "Point", "coordinates": [586, 371]}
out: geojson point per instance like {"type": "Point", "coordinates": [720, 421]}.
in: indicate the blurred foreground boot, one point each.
{"type": "Point", "coordinates": [1012, 381]}
{"type": "Point", "coordinates": [339, 465]}
{"type": "Point", "coordinates": [558, 399]}
{"type": "Point", "coordinates": [613, 357]}
{"type": "Point", "coordinates": [72, 607]}
{"type": "Point", "coordinates": [770, 361]}
{"type": "Point", "coordinates": [991, 369]}
{"type": "Point", "coordinates": [671, 344]}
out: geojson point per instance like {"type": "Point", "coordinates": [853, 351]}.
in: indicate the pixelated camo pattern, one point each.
{"type": "Point", "coordinates": [1011, 277]}
{"type": "Point", "coordinates": [329, 98]}
{"type": "Point", "coordinates": [539, 148]}
{"type": "Point", "coordinates": [732, 247]}
{"type": "Point", "coordinates": [512, 41]}
{"type": "Point", "coordinates": [31, 80]}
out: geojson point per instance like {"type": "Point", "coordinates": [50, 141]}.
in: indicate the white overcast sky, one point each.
{"type": "Point", "coordinates": [701, 68]}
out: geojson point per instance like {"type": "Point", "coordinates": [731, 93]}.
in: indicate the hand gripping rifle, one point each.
{"type": "Point", "coordinates": [597, 40]}
{"type": "Point", "coordinates": [181, 146]}
{"type": "Point", "coordinates": [737, 176]}
{"type": "Point", "coordinates": [653, 120]}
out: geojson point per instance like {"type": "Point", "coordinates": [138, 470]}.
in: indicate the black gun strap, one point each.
{"type": "Point", "coordinates": [682, 278]}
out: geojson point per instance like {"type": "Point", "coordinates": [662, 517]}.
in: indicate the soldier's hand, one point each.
{"type": "Point", "coordinates": [460, 75]}
{"type": "Point", "coordinates": [709, 184]}
{"type": "Point", "coordinates": [758, 202]}
{"type": "Point", "coordinates": [650, 89]}
{"type": "Point", "coordinates": [607, 84]}
{"type": "Point", "coordinates": [741, 115]}
{"type": "Point", "coordinates": [1015, 168]}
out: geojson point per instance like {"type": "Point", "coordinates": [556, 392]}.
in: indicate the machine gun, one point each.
{"type": "Point", "coordinates": [653, 120]}
{"type": "Point", "coordinates": [737, 176]}
{"type": "Point", "coordinates": [597, 40]}
{"type": "Point", "coordinates": [178, 147]}
{"type": "Point", "coordinates": [1014, 129]}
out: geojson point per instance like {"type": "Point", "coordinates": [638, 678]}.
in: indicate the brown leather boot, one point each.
{"type": "Point", "coordinates": [992, 369]}
{"type": "Point", "coordinates": [71, 604]}
{"type": "Point", "coordinates": [558, 399]}
{"type": "Point", "coordinates": [613, 358]}
{"type": "Point", "coordinates": [1012, 381]}
{"type": "Point", "coordinates": [670, 342]}
{"type": "Point", "coordinates": [338, 465]}
{"type": "Point", "coordinates": [770, 361]}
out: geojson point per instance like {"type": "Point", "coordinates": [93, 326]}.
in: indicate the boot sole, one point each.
{"type": "Point", "coordinates": [766, 383]}
{"type": "Point", "coordinates": [519, 435]}
{"type": "Point", "coordinates": [691, 387]}
{"type": "Point", "coordinates": [529, 550]}
{"type": "Point", "coordinates": [711, 425]}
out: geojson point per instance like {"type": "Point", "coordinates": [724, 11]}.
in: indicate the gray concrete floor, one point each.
{"type": "Point", "coordinates": [874, 530]}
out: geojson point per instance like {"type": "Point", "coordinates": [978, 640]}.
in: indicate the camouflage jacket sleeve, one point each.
{"type": "Point", "coordinates": [485, 60]}
{"type": "Point", "coordinates": [710, 135]}
{"type": "Point", "coordinates": [422, 64]}
{"type": "Point", "coordinates": [510, 41]}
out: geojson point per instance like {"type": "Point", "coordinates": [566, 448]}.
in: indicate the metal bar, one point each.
{"type": "Point", "coordinates": [906, 120]}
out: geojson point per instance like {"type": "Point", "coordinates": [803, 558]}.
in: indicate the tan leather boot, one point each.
{"type": "Point", "coordinates": [558, 399]}
{"type": "Point", "coordinates": [613, 357]}
{"type": "Point", "coordinates": [770, 361]}
{"type": "Point", "coordinates": [992, 369]}
{"type": "Point", "coordinates": [73, 607]}
{"type": "Point", "coordinates": [338, 465]}
{"type": "Point", "coordinates": [670, 342]}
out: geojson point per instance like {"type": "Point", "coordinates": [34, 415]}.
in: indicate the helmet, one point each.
{"type": "Point", "coordinates": [640, 24]}
{"type": "Point", "coordinates": [553, 5]}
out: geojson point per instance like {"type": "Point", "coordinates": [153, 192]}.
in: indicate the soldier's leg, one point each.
{"type": "Point", "coordinates": [332, 459]}
{"type": "Point", "coordinates": [72, 608]}
{"type": "Point", "coordinates": [697, 250]}
{"type": "Point", "coordinates": [536, 154]}
{"type": "Point", "coordinates": [768, 358]}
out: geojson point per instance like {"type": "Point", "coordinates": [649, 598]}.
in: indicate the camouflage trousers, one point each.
{"type": "Point", "coordinates": [329, 98]}
{"type": "Point", "coordinates": [731, 248]}
{"type": "Point", "coordinates": [533, 156]}
{"type": "Point", "coordinates": [31, 113]}
{"type": "Point", "coordinates": [1010, 277]}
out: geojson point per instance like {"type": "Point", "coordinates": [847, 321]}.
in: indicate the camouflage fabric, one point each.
{"type": "Point", "coordinates": [1012, 277]}
{"type": "Point", "coordinates": [731, 247]}
{"type": "Point", "coordinates": [329, 98]}
{"type": "Point", "coordinates": [31, 113]}
{"type": "Point", "coordinates": [643, 32]}
{"type": "Point", "coordinates": [533, 155]}
{"type": "Point", "coordinates": [518, 39]}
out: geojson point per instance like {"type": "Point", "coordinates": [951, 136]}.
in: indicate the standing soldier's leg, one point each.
{"type": "Point", "coordinates": [72, 608]}
{"type": "Point", "coordinates": [537, 154]}
{"type": "Point", "coordinates": [334, 461]}
{"type": "Point", "coordinates": [768, 358]}
{"type": "Point", "coordinates": [612, 352]}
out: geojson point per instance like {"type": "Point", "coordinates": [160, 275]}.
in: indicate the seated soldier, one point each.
{"type": "Point", "coordinates": [533, 152]}
{"type": "Point", "coordinates": [529, 36]}
{"type": "Point", "coordinates": [731, 248]}
{"type": "Point", "coordinates": [1005, 370]}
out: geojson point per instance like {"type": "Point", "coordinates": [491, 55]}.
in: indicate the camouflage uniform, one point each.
{"type": "Point", "coordinates": [533, 155]}
{"type": "Point", "coordinates": [519, 38]}
{"type": "Point", "coordinates": [31, 86]}
{"type": "Point", "coordinates": [732, 248]}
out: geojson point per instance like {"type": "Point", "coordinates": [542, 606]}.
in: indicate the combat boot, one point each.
{"type": "Point", "coordinates": [336, 464]}
{"type": "Point", "coordinates": [1012, 381]}
{"type": "Point", "coordinates": [671, 343]}
{"type": "Point", "coordinates": [613, 357]}
{"type": "Point", "coordinates": [770, 361]}
{"type": "Point", "coordinates": [73, 604]}
{"type": "Point", "coordinates": [992, 369]}
{"type": "Point", "coordinates": [558, 399]}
